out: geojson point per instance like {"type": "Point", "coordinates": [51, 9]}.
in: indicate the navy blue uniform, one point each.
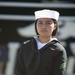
{"type": "Point", "coordinates": [49, 60]}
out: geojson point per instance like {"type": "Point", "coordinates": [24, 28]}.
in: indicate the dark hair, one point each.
{"type": "Point", "coordinates": [54, 33]}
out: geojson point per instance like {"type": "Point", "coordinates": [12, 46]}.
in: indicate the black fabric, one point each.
{"type": "Point", "coordinates": [38, 55]}
{"type": "Point", "coordinates": [31, 61]}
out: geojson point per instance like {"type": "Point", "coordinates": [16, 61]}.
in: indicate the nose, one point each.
{"type": "Point", "coordinates": [43, 26]}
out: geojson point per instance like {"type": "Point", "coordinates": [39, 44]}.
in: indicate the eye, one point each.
{"type": "Point", "coordinates": [49, 23]}
{"type": "Point", "coordinates": [40, 23]}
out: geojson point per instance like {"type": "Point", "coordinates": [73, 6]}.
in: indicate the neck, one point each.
{"type": "Point", "coordinates": [43, 39]}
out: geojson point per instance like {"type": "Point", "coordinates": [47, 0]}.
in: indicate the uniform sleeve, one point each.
{"type": "Point", "coordinates": [19, 67]}
{"type": "Point", "coordinates": [60, 63]}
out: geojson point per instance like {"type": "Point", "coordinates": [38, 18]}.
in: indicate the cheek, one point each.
{"type": "Point", "coordinates": [38, 29]}
{"type": "Point", "coordinates": [51, 27]}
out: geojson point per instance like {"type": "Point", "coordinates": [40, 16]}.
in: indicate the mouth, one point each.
{"type": "Point", "coordinates": [43, 31]}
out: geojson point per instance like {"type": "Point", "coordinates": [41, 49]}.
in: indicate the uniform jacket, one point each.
{"type": "Point", "coordinates": [49, 60]}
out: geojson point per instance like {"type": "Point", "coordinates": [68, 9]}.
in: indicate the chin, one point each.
{"type": "Point", "coordinates": [45, 35]}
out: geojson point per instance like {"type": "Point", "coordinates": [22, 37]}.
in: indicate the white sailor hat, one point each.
{"type": "Point", "coordinates": [46, 13]}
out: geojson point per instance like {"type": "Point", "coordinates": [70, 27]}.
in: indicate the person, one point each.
{"type": "Point", "coordinates": [3, 58]}
{"type": "Point", "coordinates": [43, 54]}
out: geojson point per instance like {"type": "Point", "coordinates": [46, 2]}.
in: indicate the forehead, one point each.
{"type": "Point", "coordinates": [44, 19]}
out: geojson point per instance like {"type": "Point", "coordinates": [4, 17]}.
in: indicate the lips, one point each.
{"type": "Point", "coordinates": [43, 30]}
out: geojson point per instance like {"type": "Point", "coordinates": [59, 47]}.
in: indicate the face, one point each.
{"type": "Point", "coordinates": [45, 26]}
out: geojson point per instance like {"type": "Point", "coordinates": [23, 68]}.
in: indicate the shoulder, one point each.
{"type": "Point", "coordinates": [27, 43]}
{"type": "Point", "coordinates": [24, 46]}
{"type": "Point", "coordinates": [60, 49]}
{"type": "Point", "coordinates": [59, 46]}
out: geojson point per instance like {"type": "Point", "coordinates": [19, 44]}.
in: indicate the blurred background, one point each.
{"type": "Point", "coordinates": [17, 26]}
